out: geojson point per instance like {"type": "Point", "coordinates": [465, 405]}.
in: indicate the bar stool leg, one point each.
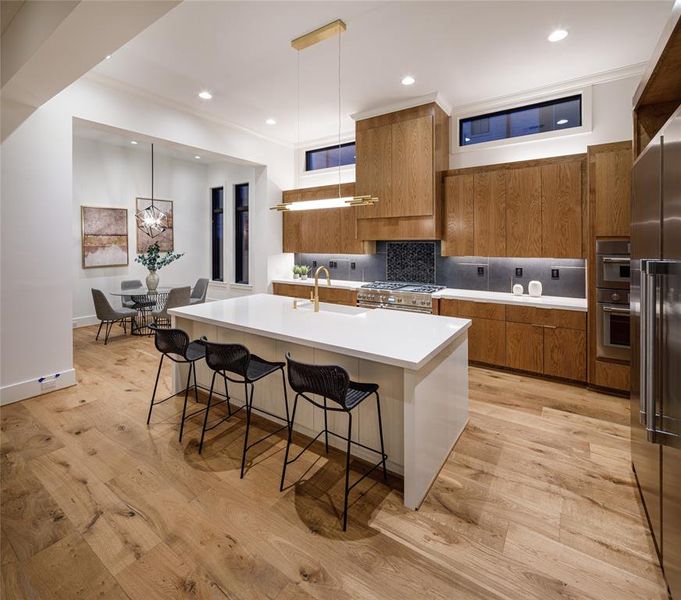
{"type": "Point", "coordinates": [153, 396]}
{"type": "Point", "coordinates": [326, 429]}
{"type": "Point", "coordinates": [248, 426]}
{"type": "Point", "coordinates": [288, 444]}
{"type": "Point", "coordinates": [380, 433]}
{"type": "Point", "coordinates": [229, 406]}
{"type": "Point", "coordinates": [186, 398]}
{"type": "Point", "coordinates": [205, 418]}
{"type": "Point", "coordinates": [283, 381]}
{"type": "Point", "coordinates": [196, 387]}
{"type": "Point", "coordinates": [347, 475]}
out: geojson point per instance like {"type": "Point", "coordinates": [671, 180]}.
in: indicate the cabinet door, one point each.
{"type": "Point", "coordinates": [565, 353]}
{"type": "Point", "coordinates": [487, 342]}
{"type": "Point", "coordinates": [610, 189]}
{"type": "Point", "coordinates": [561, 185]}
{"type": "Point", "coordinates": [489, 189]}
{"type": "Point", "coordinates": [373, 169]}
{"type": "Point", "coordinates": [458, 218]}
{"type": "Point", "coordinates": [413, 187]}
{"type": "Point", "coordinates": [523, 212]}
{"type": "Point", "coordinates": [525, 347]}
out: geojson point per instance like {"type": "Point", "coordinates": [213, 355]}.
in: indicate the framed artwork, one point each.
{"type": "Point", "coordinates": [165, 240]}
{"type": "Point", "coordinates": [104, 236]}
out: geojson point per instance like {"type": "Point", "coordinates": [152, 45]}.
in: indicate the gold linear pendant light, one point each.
{"type": "Point", "coordinates": [335, 28]}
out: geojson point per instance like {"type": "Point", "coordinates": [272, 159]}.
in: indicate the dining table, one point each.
{"type": "Point", "coordinates": [145, 301]}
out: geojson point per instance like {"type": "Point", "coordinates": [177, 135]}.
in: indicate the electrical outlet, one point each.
{"type": "Point", "coordinates": [481, 271]}
{"type": "Point", "coordinates": [353, 265]}
{"type": "Point", "coordinates": [555, 273]}
{"type": "Point", "coordinates": [518, 271]}
{"type": "Point", "coordinates": [314, 264]}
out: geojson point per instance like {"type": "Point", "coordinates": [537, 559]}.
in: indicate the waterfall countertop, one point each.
{"type": "Point", "coordinates": [403, 339]}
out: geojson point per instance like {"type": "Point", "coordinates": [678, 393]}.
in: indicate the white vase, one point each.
{"type": "Point", "coordinates": [534, 288]}
{"type": "Point", "coordinates": [152, 281]}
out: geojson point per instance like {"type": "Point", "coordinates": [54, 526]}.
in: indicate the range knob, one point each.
{"type": "Point", "coordinates": [413, 300]}
{"type": "Point", "coordinates": [615, 296]}
{"type": "Point", "coordinates": [399, 300]}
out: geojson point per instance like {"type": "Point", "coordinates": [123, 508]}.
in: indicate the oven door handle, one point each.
{"type": "Point", "coordinates": [613, 309]}
{"type": "Point", "coordinates": [615, 259]}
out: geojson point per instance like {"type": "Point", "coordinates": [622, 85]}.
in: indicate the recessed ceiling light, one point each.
{"type": "Point", "coordinates": [561, 122]}
{"type": "Point", "coordinates": [557, 35]}
{"type": "Point", "coordinates": [108, 56]}
{"type": "Point", "coordinates": [197, 157]}
{"type": "Point", "coordinates": [270, 121]}
{"type": "Point", "coordinates": [133, 142]}
{"type": "Point", "coordinates": [408, 80]}
{"type": "Point", "coordinates": [205, 95]}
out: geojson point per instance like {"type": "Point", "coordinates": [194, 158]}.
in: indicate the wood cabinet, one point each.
{"type": "Point", "coordinates": [400, 157]}
{"type": "Point", "coordinates": [523, 212]}
{"type": "Point", "coordinates": [536, 340]}
{"type": "Point", "coordinates": [326, 294]}
{"type": "Point", "coordinates": [489, 219]}
{"type": "Point", "coordinates": [324, 230]}
{"type": "Point", "coordinates": [530, 208]}
{"type": "Point", "coordinates": [561, 212]}
{"type": "Point", "coordinates": [609, 173]}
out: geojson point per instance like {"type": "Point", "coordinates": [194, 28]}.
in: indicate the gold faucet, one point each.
{"type": "Point", "coordinates": [315, 295]}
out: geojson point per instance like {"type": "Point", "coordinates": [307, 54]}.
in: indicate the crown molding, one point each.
{"type": "Point", "coordinates": [185, 108]}
{"type": "Point", "coordinates": [570, 85]}
{"type": "Point", "coordinates": [404, 104]}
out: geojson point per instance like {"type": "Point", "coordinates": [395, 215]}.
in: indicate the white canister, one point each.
{"type": "Point", "coordinates": [517, 289]}
{"type": "Point", "coordinates": [534, 289]}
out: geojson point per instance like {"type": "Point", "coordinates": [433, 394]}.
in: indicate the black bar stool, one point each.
{"type": "Point", "coordinates": [236, 359]}
{"type": "Point", "coordinates": [175, 344]}
{"type": "Point", "coordinates": [332, 383]}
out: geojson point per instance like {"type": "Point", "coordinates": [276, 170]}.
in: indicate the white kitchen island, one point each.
{"type": "Point", "coordinates": [419, 361]}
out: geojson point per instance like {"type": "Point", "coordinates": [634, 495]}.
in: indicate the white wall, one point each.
{"type": "Point", "coordinates": [110, 175]}
{"type": "Point", "coordinates": [36, 278]}
{"type": "Point", "coordinates": [611, 122]}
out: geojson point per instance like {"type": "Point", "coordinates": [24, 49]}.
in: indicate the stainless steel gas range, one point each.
{"type": "Point", "coordinates": [413, 297]}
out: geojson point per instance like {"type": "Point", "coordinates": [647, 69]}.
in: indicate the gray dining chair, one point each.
{"type": "Point", "coordinates": [129, 284]}
{"type": "Point", "coordinates": [108, 315]}
{"type": "Point", "coordinates": [176, 297]}
{"type": "Point", "coordinates": [199, 292]}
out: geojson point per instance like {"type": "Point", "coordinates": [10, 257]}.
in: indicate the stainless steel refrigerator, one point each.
{"type": "Point", "coordinates": [656, 341]}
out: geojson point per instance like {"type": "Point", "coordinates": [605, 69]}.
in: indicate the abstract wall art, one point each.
{"type": "Point", "coordinates": [104, 236]}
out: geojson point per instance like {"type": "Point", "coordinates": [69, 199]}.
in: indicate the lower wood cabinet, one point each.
{"type": "Point", "coordinates": [536, 340]}
{"type": "Point", "coordinates": [326, 294]}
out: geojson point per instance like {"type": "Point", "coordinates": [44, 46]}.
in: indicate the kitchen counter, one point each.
{"type": "Point", "coordinates": [557, 302]}
{"type": "Point", "coordinates": [420, 362]}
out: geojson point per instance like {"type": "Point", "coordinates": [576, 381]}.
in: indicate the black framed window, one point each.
{"type": "Point", "coordinates": [241, 233]}
{"type": "Point", "coordinates": [217, 232]}
{"type": "Point", "coordinates": [331, 156]}
{"type": "Point", "coordinates": [552, 115]}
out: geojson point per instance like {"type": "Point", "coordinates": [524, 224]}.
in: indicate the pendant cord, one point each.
{"type": "Point", "coordinates": [298, 109]}
{"type": "Point", "coordinates": [339, 113]}
{"type": "Point", "coordinates": [152, 175]}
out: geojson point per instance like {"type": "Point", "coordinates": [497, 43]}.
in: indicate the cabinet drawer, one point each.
{"type": "Point", "coordinates": [470, 310]}
{"type": "Point", "coordinates": [546, 316]}
{"type": "Point", "coordinates": [565, 353]}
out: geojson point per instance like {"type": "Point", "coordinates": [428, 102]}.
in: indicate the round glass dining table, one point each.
{"type": "Point", "coordinates": [145, 301]}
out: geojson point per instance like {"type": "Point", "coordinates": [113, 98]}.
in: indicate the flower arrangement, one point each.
{"type": "Point", "coordinates": [153, 260]}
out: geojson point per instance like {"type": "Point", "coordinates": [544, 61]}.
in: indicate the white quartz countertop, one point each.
{"type": "Point", "coordinates": [558, 302]}
{"type": "Point", "coordinates": [335, 283]}
{"type": "Point", "coordinates": [403, 339]}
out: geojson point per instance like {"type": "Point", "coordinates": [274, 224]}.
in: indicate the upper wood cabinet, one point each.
{"type": "Point", "coordinates": [530, 209]}
{"type": "Point", "coordinates": [399, 158]}
{"type": "Point", "coordinates": [326, 231]}
{"type": "Point", "coordinates": [561, 214]}
{"type": "Point", "coordinates": [523, 212]}
{"type": "Point", "coordinates": [610, 189]}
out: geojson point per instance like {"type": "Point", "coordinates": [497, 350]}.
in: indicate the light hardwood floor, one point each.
{"type": "Point", "coordinates": [536, 502]}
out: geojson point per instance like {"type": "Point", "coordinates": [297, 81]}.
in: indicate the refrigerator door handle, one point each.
{"type": "Point", "coordinates": [648, 337]}
{"type": "Point", "coordinates": [643, 370]}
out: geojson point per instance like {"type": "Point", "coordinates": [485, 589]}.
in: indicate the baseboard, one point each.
{"type": "Point", "coordinates": [35, 387]}
{"type": "Point", "coordinates": [85, 321]}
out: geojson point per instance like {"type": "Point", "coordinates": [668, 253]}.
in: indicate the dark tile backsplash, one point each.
{"type": "Point", "coordinates": [421, 262]}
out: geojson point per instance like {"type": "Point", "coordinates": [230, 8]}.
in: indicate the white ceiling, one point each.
{"type": "Point", "coordinates": [468, 51]}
